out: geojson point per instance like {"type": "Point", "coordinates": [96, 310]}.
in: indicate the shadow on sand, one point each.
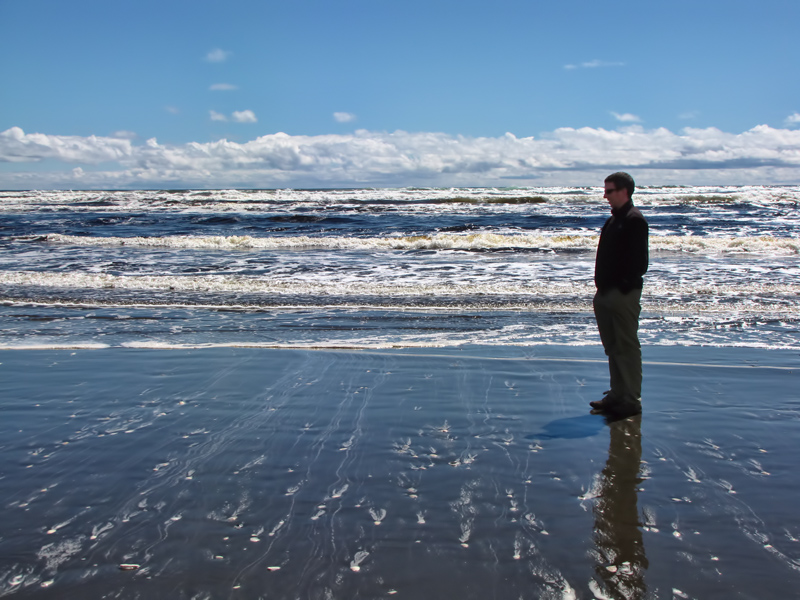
{"type": "Point", "coordinates": [571, 428]}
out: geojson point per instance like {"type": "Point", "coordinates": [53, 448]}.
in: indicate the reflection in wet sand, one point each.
{"type": "Point", "coordinates": [620, 555]}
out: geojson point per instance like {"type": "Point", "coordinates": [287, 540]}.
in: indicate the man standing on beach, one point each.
{"type": "Point", "coordinates": [622, 258]}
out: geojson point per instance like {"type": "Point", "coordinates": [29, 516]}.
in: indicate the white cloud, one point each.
{"type": "Point", "coordinates": [18, 146]}
{"type": "Point", "coordinates": [626, 117]}
{"type": "Point", "coordinates": [239, 116]}
{"type": "Point", "coordinates": [793, 120]}
{"type": "Point", "coordinates": [223, 87]}
{"type": "Point", "coordinates": [172, 110]}
{"type": "Point", "coordinates": [595, 64]}
{"type": "Point", "coordinates": [124, 135]}
{"type": "Point", "coordinates": [244, 116]}
{"type": "Point", "coordinates": [689, 114]}
{"type": "Point", "coordinates": [565, 156]}
{"type": "Point", "coordinates": [344, 117]}
{"type": "Point", "coordinates": [217, 55]}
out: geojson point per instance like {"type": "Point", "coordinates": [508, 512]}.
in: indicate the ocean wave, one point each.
{"type": "Point", "coordinates": [190, 200]}
{"type": "Point", "coordinates": [441, 241]}
{"type": "Point", "coordinates": [288, 287]}
{"type": "Point", "coordinates": [425, 345]}
{"type": "Point", "coordinates": [492, 200]}
{"type": "Point", "coordinates": [565, 293]}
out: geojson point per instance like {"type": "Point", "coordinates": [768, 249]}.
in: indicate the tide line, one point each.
{"type": "Point", "coordinates": [603, 361]}
{"type": "Point", "coordinates": [379, 352]}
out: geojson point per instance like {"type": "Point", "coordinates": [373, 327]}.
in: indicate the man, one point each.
{"type": "Point", "coordinates": [622, 257]}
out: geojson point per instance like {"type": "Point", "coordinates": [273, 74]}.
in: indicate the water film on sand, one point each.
{"type": "Point", "coordinates": [424, 474]}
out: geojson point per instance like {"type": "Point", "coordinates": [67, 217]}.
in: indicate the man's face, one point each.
{"type": "Point", "coordinates": [617, 197]}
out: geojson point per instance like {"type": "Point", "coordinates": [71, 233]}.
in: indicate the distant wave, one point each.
{"type": "Point", "coordinates": [440, 241]}
{"type": "Point", "coordinates": [260, 200]}
{"type": "Point", "coordinates": [493, 200]}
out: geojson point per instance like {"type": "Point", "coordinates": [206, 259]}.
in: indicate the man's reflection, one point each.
{"type": "Point", "coordinates": [621, 559]}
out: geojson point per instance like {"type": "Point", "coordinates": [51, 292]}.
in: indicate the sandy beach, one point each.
{"type": "Point", "coordinates": [413, 473]}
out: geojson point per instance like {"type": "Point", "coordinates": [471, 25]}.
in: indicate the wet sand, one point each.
{"type": "Point", "coordinates": [423, 474]}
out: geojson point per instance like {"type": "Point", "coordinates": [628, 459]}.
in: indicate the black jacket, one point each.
{"type": "Point", "coordinates": [622, 253]}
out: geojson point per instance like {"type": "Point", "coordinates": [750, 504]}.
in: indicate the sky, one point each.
{"type": "Point", "coordinates": [120, 94]}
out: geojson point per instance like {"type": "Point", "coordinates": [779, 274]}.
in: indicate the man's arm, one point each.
{"type": "Point", "coordinates": [640, 249]}
{"type": "Point", "coordinates": [635, 258]}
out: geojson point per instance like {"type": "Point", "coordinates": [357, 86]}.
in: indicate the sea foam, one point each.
{"type": "Point", "coordinates": [775, 246]}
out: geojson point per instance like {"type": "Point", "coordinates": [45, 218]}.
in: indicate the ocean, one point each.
{"type": "Point", "coordinates": [369, 268]}
{"type": "Point", "coordinates": [378, 394]}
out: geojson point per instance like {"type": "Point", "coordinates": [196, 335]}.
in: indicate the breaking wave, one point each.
{"type": "Point", "coordinates": [440, 241]}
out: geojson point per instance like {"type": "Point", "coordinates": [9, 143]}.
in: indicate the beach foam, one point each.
{"type": "Point", "coordinates": [442, 241]}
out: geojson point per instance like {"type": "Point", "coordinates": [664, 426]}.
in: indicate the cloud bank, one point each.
{"type": "Point", "coordinates": [566, 156]}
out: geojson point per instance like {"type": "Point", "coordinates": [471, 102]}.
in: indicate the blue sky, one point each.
{"type": "Point", "coordinates": [123, 93]}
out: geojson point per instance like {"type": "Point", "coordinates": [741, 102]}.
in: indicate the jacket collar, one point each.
{"type": "Point", "coordinates": [622, 210]}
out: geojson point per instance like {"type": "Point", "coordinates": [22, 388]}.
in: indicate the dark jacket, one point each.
{"type": "Point", "coordinates": [622, 253]}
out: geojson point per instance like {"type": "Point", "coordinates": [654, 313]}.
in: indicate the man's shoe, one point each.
{"type": "Point", "coordinates": [606, 403]}
{"type": "Point", "coordinates": [616, 406]}
{"type": "Point", "coordinates": [626, 408]}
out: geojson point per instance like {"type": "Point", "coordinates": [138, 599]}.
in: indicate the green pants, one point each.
{"type": "Point", "coordinates": [617, 317]}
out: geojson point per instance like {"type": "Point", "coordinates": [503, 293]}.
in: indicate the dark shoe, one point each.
{"type": "Point", "coordinates": [619, 407]}
{"type": "Point", "coordinates": [626, 408]}
{"type": "Point", "coordinates": [606, 403]}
